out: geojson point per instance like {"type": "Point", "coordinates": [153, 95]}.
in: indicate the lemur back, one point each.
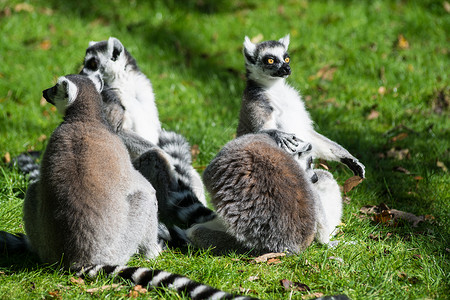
{"type": "Point", "coordinates": [127, 89]}
{"type": "Point", "coordinates": [263, 196]}
{"type": "Point", "coordinates": [90, 209]}
{"type": "Point", "coordinates": [270, 103]}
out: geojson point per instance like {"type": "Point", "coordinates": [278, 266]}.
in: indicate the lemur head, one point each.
{"type": "Point", "coordinates": [267, 61]}
{"type": "Point", "coordinates": [109, 58]}
{"type": "Point", "coordinates": [66, 90]}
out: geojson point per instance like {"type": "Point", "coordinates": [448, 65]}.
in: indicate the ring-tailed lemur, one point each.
{"type": "Point", "coordinates": [265, 200]}
{"type": "Point", "coordinates": [91, 210]}
{"type": "Point", "coordinates": [127, 94]}
{"type": "Point", "coordinates": [270, 103]}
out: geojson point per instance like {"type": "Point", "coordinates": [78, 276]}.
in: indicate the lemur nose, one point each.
{"type": "Point", "coordinates": [314, 178]}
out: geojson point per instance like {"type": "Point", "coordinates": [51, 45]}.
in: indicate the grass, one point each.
{"type": "Point", "coordinates": [371, 73]}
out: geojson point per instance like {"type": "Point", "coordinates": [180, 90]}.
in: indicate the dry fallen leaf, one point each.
{"type": "Point", "coordinates": [402, 43]}
{"type": "Point", "coordinates": [325, 73]}
{"type": "Point", "coordinates": [441, 165]}
{"type": "Point", "coordinates": [195, 151]}
{"type": "Point", "coordinates": [45, 44]}
{"type": "Point", "coordinates": [383, 214]}
{"type": "Point", "coordinates": [382, 90]}
{"type": "Point", "coordinates": [399, 137]}
{"type": "Point", "coordinates": [373, 115]}
{"type": "Point", "coordinates": [273, 261]}
{"type": "Point", "coordinates": [7, 158]}
{"type": "Point", "coordinates": [55, 294]}
{"type": "Point", "coordinates": [267, 256]}
{"type": "Point", "coordinates": [446, 6]}
{"type": "Point", "coordinates": [401, 170]}
{"type": "Point", "coordinates": [294, 286]}
{"type": "Point", "coordinates": [351, 183]}
{"type": "Point", "coordinates": [311, 296]}
{"type": "Point", "coordinates": [23, 7]}
{"type": "Point", "coordinates": [102, 288]}
{"type": "Point", "coordinates": [398, 154]}
{"type": "Point", "coordinates": [257, 39]}
{"type": "Point", "coordinates": [77, 280]}
{"type": "Point", "coordinates": [253, 278]}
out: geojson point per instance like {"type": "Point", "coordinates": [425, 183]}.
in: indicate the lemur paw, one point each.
{"type": "Point", "coordinates": [289, 142]}
{"type": "Point", "coordinates": [354, 165]}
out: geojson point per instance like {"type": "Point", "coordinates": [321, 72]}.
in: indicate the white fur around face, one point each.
{"type": "Point", "coordinates": [66, 94]}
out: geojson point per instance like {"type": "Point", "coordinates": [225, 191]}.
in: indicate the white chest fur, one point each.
{"type": "Point", "coordinates": [137, 97]}
{"type": "Point", "coordinates": [289, 112]}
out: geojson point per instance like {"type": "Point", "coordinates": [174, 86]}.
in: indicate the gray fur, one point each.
{"type": "Point", "coordinates": [269, 102]}
{"type": "Point", "coordinates": [181, 196]}
{"type": "Point", "coordinates": [90, 209]}
{"type": "Point", "coordinates": [90, 205]}
{"type": "Point", "coordinates": [263, 196]}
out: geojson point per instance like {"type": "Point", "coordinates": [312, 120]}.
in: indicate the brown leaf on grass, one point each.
{"type": "Point", "coordinates": [441, 165]}
{"type": "Point", "coordinates": [382, 90]}
{"type": "Point", "coordinates": [373, 115]}
{"type": "Point", "coordinates": [253, 278]}
{"type": "Point", "coordinates": [77, 280]}
{"type": "Point", "coordinates": [7, 158]}
{"type": "Point", "coordinates": [42, 138]}
{"type": "Point", "coordinates": [195, 151]}
{"type": "Point", "coordinates": [102, 288]}
{"type": "Point", "coordinates": [2, 273]}
{"type": "Point", "coordinates": [23, 7]}
{"type": "Point", "coordinates": [273, 261]}
{"type": "Point", "coordinates": [294, 286]}
{"type": "Point", "coordinates": [257, 39]}
{"type": "Point", "coordinates": [136, 291]}
{"type": "Point", "coordinates": [383, 214]}
{"type": "Point", "coordinates": [246, 290]}
{"type": "Point", "coordinates": [399, 137]}
{"type": "Point", "coordinates": [398, 154]}
{"type": "Point", "coordinates": [267, 256]}
{"type": "Point", "coordinates": [45, 45]}
{"type": "Point", "coordinates": [325, 73]}
{"type": "Point", "coordinates": [351, 183]}
{"type": "Point", "coordinates": [402, 42]}
{"type": "Point", "coordinates": [446, 6]}
{"type": "Point", "coordinates": [401, 170]}
{"type": "Point", "coordinates": [55, 294]}
{"type": "Point", "coordinates": [312, 296]}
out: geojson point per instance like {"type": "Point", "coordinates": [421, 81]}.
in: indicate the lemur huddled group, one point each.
{"type": "Point", "coordinates": [113, 183]}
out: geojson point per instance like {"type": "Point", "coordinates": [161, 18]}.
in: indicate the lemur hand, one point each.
{"type": "Point", "coordinates": [289, 142]}
{"type": "Point", "coordinates": [354, 165]}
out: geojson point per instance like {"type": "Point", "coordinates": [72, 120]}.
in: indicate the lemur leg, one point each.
{"type": "Point", "coordinates": [329, 208]}
{"type": "Point", "coordinates": [329, 150]}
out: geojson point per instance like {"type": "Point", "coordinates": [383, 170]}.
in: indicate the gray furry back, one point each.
{"type": "Point", "coordinates": [262, 195]}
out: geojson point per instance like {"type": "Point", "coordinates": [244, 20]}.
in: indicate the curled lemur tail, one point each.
{"type": "Point", "coordinates": [184, 200]}
{"type": "Point", "coordinates": [13, 243]}
{"type": "Point", "coordinates": [27, 164]}
{"type": "Point", "coordinates": [159, 278]}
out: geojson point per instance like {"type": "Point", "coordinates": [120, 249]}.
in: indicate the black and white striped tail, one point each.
{"type": "Point", "coordinates": [188, 208]}
{"type": "Point", "coordinates": [13, 243]}
{"type": "Point", "coordinates": [28, 165]}
{"type": "Point", "coordinates": [183, 201]}
{"type": "Point", "coordinates": [158, 278]}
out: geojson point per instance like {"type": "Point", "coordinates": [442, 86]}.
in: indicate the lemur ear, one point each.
{"type": "Point", "coordinates": [249, 49]}
{"type": "Point", "coordinates": [92, 43]}
{"type": "Point", "coordinates": [285, 41]}
{"type": "Point", "coordinates": [115, 48]}
{"type": "Point", "coordinates": [68, 89]}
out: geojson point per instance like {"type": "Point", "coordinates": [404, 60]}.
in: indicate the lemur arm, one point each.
{"type": "Point", "coordinates": [327, 149]}
{"type": "Point", "coordinates": [288, 141]}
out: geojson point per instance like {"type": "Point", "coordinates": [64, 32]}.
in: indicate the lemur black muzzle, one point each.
{"type": "Point", "coordinates": [285, 70]}
{"type": "Point", "coordinates": [46, 94]}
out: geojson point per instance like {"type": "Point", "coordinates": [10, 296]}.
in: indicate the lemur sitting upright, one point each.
{"type": "Point", "coordinates": [265, 200]}
{"type": "Point", "coordinates": [130, 107]}
{"type": "Point", "coordinates": [270, 103]}
{"type": "Point", "coordinates": [91, 210]}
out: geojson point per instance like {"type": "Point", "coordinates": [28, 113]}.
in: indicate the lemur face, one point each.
{"type": "Point", "coordinates": [268, 60]}
{"type": "Point", "coordinates": [105, 57]}
{"type": "Point", "coordinates": [65, 91]}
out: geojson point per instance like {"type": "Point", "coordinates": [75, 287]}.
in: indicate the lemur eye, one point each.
{"type": "Point", "coordinates": [270, 61]}
{"type": "Point", "coordinates": [92, 64]}
{"type": "Point", "coordinates": [287, 60]}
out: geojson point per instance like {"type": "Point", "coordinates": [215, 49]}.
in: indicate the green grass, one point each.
{"type": "Point", "coordinates": [191, 51]}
